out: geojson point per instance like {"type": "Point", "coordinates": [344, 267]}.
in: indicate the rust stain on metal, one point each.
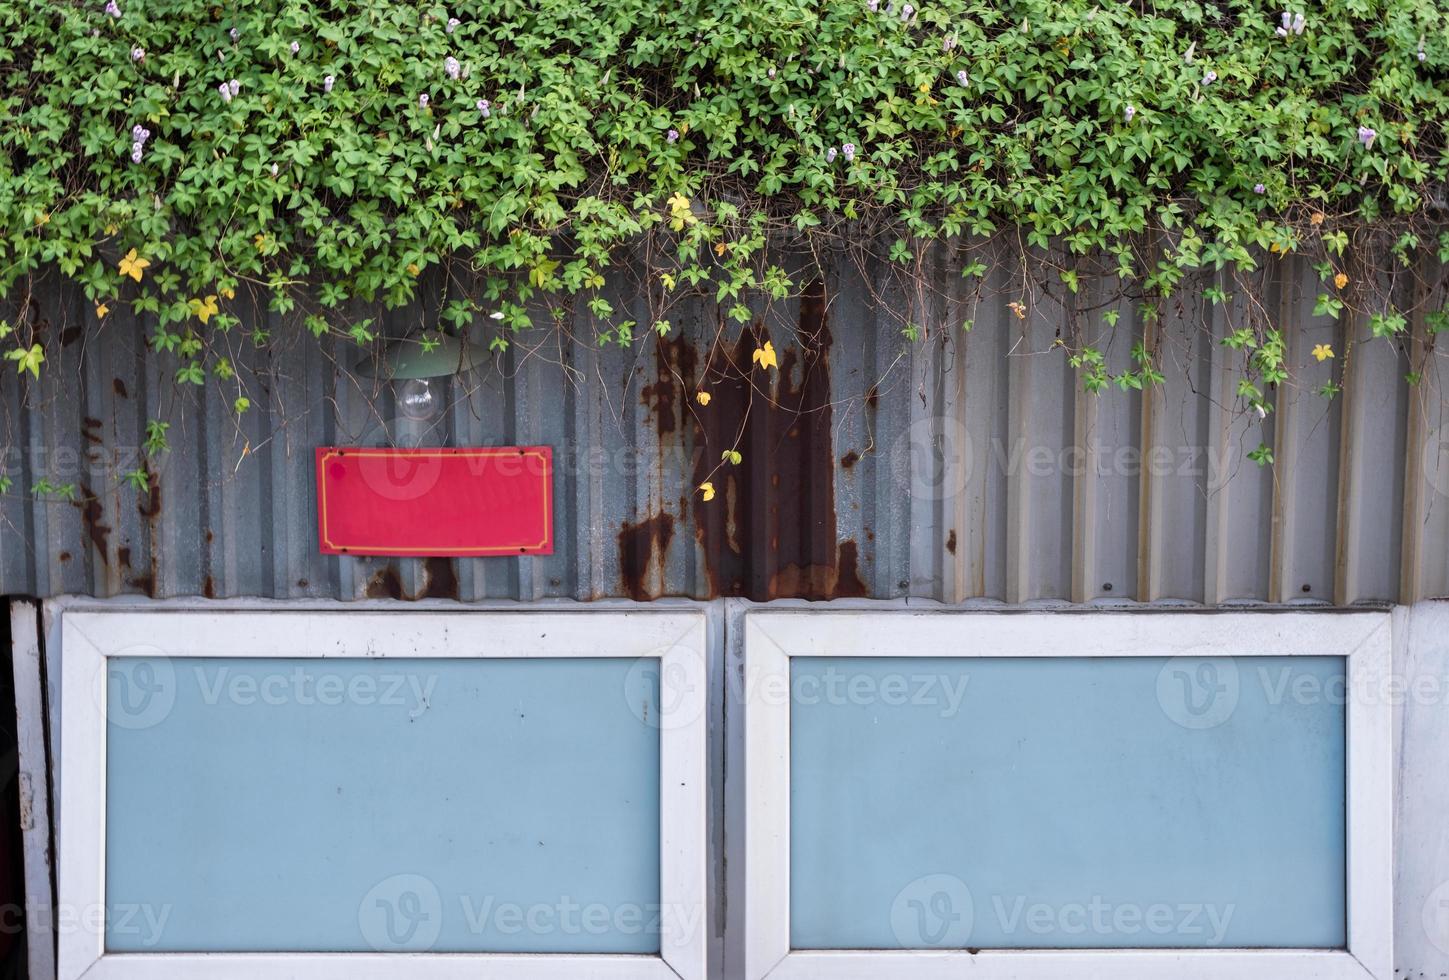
{"type": "Point", "coordinates": [675, 364]}
{"type": "Point", "coordinates": [642, 547]}
{"type": "Point", "coordinates": [385, 584]}
{"type": "Point", "coordinates": [849, 459]}
{"type": "Point", "coordinates": [92, 514]}
{"type": "Point", "coordinates": [119, 387]}
{"type": "Point", "coordinates": [773, 535]}
{"type": "Point", "coordinates": [149, 505]}
{"type": "Point", "coordinates": [951, 541]}
{"type": "Point", "coordinates": [440, 579]}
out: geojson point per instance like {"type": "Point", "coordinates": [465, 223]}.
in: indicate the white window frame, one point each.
{"type": "Point", "coordinates": [677, 638]}
{"type": "Point", "coordinates": [772, 638]}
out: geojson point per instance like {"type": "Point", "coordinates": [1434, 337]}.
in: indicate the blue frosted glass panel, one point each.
{"type": "Point", "coordinates": [1067, 803]}
{"type": "Point", "coordinates": [355, 805]}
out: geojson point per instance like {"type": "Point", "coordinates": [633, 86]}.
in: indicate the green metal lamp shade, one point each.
{"type": "Point", "coordinates": [407, 358]}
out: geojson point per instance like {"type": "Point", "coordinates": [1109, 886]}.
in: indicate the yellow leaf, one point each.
{"type": "Point", "coordinates": [707, 489]}
{"type": "Point", "coordinates": [1340, 280]}
{"type": "Point", "coordinates": [924, 87]}
{"type": "Point", "coordinates": [680, 213]}
{"type": "Point", "coordinates": [203, 309]}
{"type": "Point", "coordinates": [765, 356]}
{"type": "Point", "coordinates": [720, 248]}
{"type": "Point", "coordinates": [702, 397]}
{"type": "Point", "coordinates": [101, 310]}
{"type": "Point", "coordinates": [260, 242]}
{"type": "Point", "coordinates": [1019, 309]}
{"type": "Point", "coordinates": [133, 265]}
{"type": "Point", "coordinates": [42, 219]}
{"type": "Point", "coordinates": [229, 293]}
{"type": "Point", "coordinates": [1323, 352]}
{"type": "Point", "coordinates": [1316, 219]}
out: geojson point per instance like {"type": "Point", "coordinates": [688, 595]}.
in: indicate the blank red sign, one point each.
{"type": "Point", "coordinates": [435, 502]}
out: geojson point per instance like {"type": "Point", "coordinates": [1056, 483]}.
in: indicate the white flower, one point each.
{"type": "Point", "coordinates": [274, 169]}
{"type": "Point", "coordinates": [451, 67]}
{"type": "Point", "coordinates": [1209, 77]}
{"type": "Point", "coordinates": [423, 101]}
{"type": "Point", "coordinates": [496, 315]}
{"type": "Point", "coordinates": [328, 82]}
{"type": "Point", "coordinates": [453, 23]}
{"type": "Point", "coordinates": [234, 86]}
{"type": "Point", "coordinates": [830, 155]}
{"type": "Point", "coordinates": [962, 78]}
{"type": "Point", "coordinates": [225, 91]}
{"type": "Point", "coordinates": [848, 150]}
{"type": "Point", "coordinates": [296, 47]}
{"type": "Point", "coordinates": [1129, 112]}
{"type": "Point", "coordinates": [138, 53]}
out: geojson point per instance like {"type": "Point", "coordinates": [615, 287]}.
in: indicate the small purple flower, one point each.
{"type": "Point", "coordinates": [453, 23]}
{"type": "Point", "coordinates": [423, 101]}
{"type": "Point", "coordinates": [1298, 24]}
{"type": "Point", "coordinates": [873, 5]}
{"type": "Point", "coordinates": [234, 34]}
{"type": "Point", "coordinates": [771, 74]}
{"type": "Point", "coordinates": [274, 169]}
{"type": "Point", "coordinates": [136, 132]}
{"type": "Point", "coordinates": [1422, 55]}
{"type": "Point", "coordinates": [848, 151]}
{"type": "Point", "coordinates": [451, 67]}
{"type": "Point", "coordinates": [225, 91]}
{"type": "Point", "coordinates": [1209, 77]}
{"type": "Point", "coordinates": [328, 82]}
{"type": "Point", "coordinates": [907, 12]}
{"type": "Point", "coordinates": [136, 149]}
{"type": "Point", "coordinates": [113, 10]}
{"type": "Point", "coordinates": [1259, 189]}
{"type": "Point", "coordinates": [484, 109]}
{"type": "Point", "coordinates": [962, 78]}
{"type": "Point", "coordinates": [95, 32]}
{"type": "Point", "coordinates": [1366, 136]}
{"type": "Point", "coordinates": [948, 43]}
{"type": "Point", "coordinates": [295, 47]}
{"type": "Point", "coordinates": [830, 155]}
{"type": "Point", "coordinates": [234, 86]}
{"type": "Point", "coordinates": [672, 136]}
{"type": "Point", "coordinates": [1129, 112]}
{"type": "Point", "coordinates": [138, 53]}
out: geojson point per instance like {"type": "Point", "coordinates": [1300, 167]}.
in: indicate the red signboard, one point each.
{"type": "Point", "coordinates": [435, 502]}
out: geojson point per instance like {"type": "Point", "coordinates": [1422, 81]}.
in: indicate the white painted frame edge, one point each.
{"type": "Point", "coordinates": [677, 637]}
{"type": "Point", "coordinates": [771, 638]}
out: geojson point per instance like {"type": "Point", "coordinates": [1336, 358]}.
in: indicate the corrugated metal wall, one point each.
{"type": "Point", "coordinates": [965, 464]}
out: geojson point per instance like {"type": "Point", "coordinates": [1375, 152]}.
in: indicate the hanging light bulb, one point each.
{"type": "Point", "coordinates": [418, 399]}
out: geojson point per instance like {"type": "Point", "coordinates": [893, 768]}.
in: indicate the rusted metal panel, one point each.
{"type": "Point", "coordinates": [964, 464]}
